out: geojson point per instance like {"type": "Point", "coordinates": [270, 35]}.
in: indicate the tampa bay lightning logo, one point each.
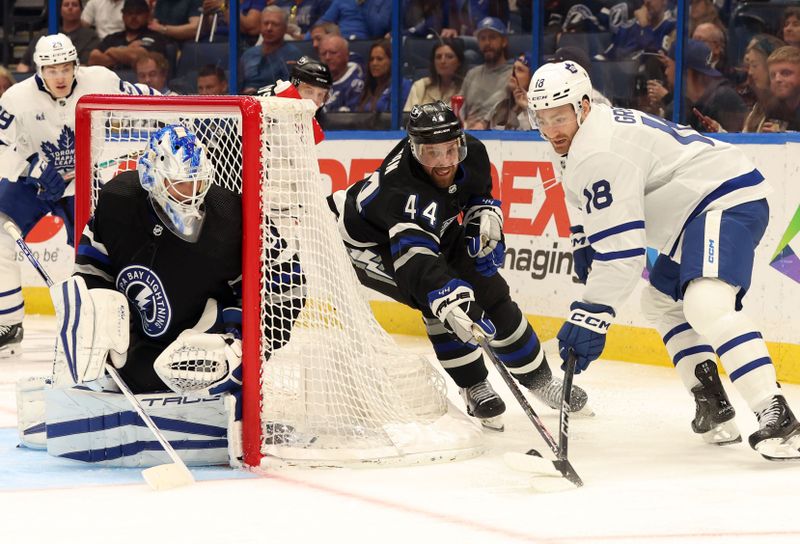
{"type": "Point", "coordinates": [144, 289]}
{"type": "Point", "coordinates": [62, 153]}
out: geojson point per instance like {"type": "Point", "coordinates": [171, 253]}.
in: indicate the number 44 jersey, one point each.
{"type": "Point", "coordinates": [638, 181]}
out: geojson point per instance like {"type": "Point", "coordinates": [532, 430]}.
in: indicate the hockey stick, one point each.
{"type": "Point", "coordinates": [159, 477]}
{"type": "Point", "coordinates": [533, 461]}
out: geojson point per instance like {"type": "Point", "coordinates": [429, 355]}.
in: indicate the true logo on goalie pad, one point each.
{"type": "Point", "coordinates": [144, 289]}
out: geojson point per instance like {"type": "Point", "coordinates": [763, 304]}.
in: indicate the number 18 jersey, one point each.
{"type": "Point", "coordinates": [638, 181]}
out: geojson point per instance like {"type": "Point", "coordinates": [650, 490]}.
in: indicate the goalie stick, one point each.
{"type": "Point", "coordinates": [533, 461]}
{"type": "Point", "coordinates": [166, 476]}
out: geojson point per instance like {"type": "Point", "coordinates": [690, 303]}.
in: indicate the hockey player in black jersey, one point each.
{"type": "Point", "coordinates": [170, 240]}
{"type": "Point", "coordinates": [156, 293]}
{"type": "Point", "coordinates": [401, 226]}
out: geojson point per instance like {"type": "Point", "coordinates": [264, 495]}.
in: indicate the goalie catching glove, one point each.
{"type": "Point", "coordinates": [93, 326]}
{"type": "Point", "coordinates": [455, 306]}
{"type": "Point", "coordinates": [483, 231]}
{"type": "Point", "coordinates": [201, 364]}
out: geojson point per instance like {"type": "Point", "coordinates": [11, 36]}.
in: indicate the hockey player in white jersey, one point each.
{"type": "Point", "coordinates": [37, 144]}
{"type": "Point", "coordinates": [640, 181]}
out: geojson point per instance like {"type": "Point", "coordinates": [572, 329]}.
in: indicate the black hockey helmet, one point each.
{"type": "Point", "coordinates": [434, 123]}
{"type": "Point", "coordinates": [313, 72]}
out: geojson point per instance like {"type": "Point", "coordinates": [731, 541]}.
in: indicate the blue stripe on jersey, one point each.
{"type": "Point", "coordinates": [407, 242]}
{"type": "Point", "coordinates": [749, 179]}
{"type": "Point", "coordinates": [11, 292]}
{"type": "Point", "coordinates": [752, 365]}
{"type": "Point", "coordinates": [13, 309]}
{"type": "Point", "coordinates": [617, 255]}
{"type": "Point", "coordinates": [93, 253]}
{"type": "Point", "coordinates": [741, 339]}
{"type": "Point", "coordinates": [676, 330]}
{"type": "Point", "coordinates": [443, 348]}
{"type": "Point", "coordinates": [624, 227]}
{"type": "Point", "coordinates": [702, 348]}
{"type": "Point", "coordinates": [525, 352]}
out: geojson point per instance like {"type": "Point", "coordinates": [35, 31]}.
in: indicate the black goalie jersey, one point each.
{"type": "Point", "coordinates": [166, 280]}
{"type": "Point", "coordinates": [411, 224]}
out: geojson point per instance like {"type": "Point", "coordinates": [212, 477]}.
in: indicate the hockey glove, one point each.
{"type": "Point", "coordinates": [488, 265]}
{"type": "Point", "coordinates": [483, 230]}
{"type": "Point", "coordinates": [582, 252]}
{"type": "Point", "coordinates": [455, 306]}
{"type": "Point", "coordinates": [584, 332]}
{"type": "Point", "coordinates": [48, 182]}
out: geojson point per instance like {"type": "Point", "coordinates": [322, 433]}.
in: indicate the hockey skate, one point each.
{"type": "Point", "coordinates": [10, 340]}
{"type": "Point", "coordinates": [778, 438]}
{"type": "Point", "coordinates": [483, 403]}
{"type": "Point", "coordinates": [714, 415]}
{"type": "Point", "coordinates": [549, 390]}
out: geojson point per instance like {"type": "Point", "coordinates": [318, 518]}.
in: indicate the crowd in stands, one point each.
{"type": "Point", "coordinates": [741, 63]}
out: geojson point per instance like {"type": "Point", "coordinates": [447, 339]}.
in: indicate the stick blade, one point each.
{"type": "Point", "coordinates": [550, 475]}
{"type": "Point", "coordinates": [168, 476]}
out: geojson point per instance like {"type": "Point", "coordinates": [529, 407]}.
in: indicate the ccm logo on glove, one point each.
{"type": "Point", "coordinates": [589, 321]}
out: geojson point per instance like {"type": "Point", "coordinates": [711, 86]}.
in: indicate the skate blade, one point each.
{"type": "Point", "coordinates": [779, 449]}
{"type": "Point", "coordinates": [493, 424]}
{"type": "Point", "coordinates": [723, 434]}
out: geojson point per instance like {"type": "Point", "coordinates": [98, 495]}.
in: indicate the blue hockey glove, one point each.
{"type": "Point", "coordinates": [584, 332]}
{"type": "Point", "coordinates": [488, 265]}
{"type": "Point", "coordinates": [582, 253]}
{"type": "Point", "coordinates": [483, 231]}
{"type": "Point", "coordinates": [455, 306]}
{"type": "Point", "coordinates": [48, 182]}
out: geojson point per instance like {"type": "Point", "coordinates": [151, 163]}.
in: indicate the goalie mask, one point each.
{"type": "Point", "coordinates": [436, 136]}
{"type": "Point", "coordinates": [54, 50]}
{"type": "Point", "coordinates": [558, 84]}
{"type": "Point", "coordinates": [176, 172]}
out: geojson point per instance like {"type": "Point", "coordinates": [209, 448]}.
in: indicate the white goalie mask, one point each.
{"type": "Point", "coordinates": [557, 84]}
{"type": "Point", "coordinates": [176, 172]}
{"type": "Point", "coordinates": [51, 50]}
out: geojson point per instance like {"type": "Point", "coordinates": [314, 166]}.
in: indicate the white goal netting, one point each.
{"type": "Point", "coordinates": [335, 388]}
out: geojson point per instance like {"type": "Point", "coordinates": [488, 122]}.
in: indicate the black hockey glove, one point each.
{"type": "Point", "coordinates": [455, 306]}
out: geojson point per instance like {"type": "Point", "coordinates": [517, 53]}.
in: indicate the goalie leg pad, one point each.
{"type": "Point", "coordinates": [31, 411]}
{"type": "Point", "coordinates": [91, 325]}
{"type": "Point", "coordinates": [103, 428]}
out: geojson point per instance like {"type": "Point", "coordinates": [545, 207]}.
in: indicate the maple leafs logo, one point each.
{"type": "Point", "coordinates": [62, 153]}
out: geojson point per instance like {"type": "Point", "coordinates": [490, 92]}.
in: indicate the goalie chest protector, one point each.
{"type": "Point", "coordinates": [167, 280]}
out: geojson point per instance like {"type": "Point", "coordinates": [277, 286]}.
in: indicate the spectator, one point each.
{"type": "Point", "coordinates": [714, 37]}
{"type": "Point", "coordinates": [212, 80]}
{"type": "Point", "coordinates": [784, 81]}
{"type": "Point", "coordinates": [422, 19]}
{"type": "Point", "coordinates": [249, 19]}
{"type": "Point", "coordinates": [703, 11]}
{"type": "Point", "coordinates": [176, 19]}
{"type": "Point", "coordinates": [463, 17]}
{"type": "Point", "coordinates": [647, 31]}
{"type": "Point", "coordinates": [319, 31]}
{"type": "Point", "coordinates": [6, 79]}
{"type": "Point", "coordinates": [512, 112]}
{"type": "Point", "coordinates": [350, 16]}
{"type": "Point", "coordinates": [755, 62]}
{"type": "Point", "coordinates": [265, 64]}
{"type": "Point", "coordinates": [377, 92]}
{"type": "Point", "coordinates": [84, 39]}
{"type": "Point", "coordinates": [303, 13]}
{"type": "Point", "coordinates": [485, 84]}
{"type": "Point", "coordinates": [711, 102]}
{"type": "Point", "coordinates": [790, 28]}
{"type": "Point", "coordinates": [152, 69]}
{"type": "Point", "coordinates": [348, 77]}
{"type": "Point", "coordinates": [104, 15]}
{"type": "Point", "coordinates": [447, 71]}
{"type": "Point", "coordinates": [120, 50]}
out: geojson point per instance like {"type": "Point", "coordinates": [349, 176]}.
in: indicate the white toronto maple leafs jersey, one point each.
{"type": "Point", "coordinates": [638, 180]}
{"type": "Point", "coordinates": [33, 122]}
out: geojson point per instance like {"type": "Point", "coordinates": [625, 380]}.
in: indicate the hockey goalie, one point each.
{"type": "Point", "coordinates": [156, 293]}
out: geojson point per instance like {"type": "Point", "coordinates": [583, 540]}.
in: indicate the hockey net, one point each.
{"type": "Point", "coordinates": [340, 391]}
